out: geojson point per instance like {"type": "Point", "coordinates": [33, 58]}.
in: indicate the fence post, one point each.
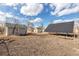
{"type": "Point", "coordinates": [66, 36]}
{"type": "Point", "coordinates": [74, 36]}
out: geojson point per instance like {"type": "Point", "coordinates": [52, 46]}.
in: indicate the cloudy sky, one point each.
{"type": "Point", "coordinates": [39, 13]}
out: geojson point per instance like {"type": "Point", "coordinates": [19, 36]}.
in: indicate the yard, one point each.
{"type": "Point", "coordinates": [41, 45]}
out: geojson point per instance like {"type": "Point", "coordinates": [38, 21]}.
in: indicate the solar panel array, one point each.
{"type": "Point", "coordinates": [66, 27]}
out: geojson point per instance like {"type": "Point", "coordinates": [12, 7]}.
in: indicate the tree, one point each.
{"type": "Point", "coordinates": [16, 26]}
{"type": "Point", "coordinates": [30, 26]}
{"type": "Point", "coordinates": [41, 27]}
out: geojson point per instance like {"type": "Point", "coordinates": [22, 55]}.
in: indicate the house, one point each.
{"type": "Point", "coordinates": [71, 27]}
{"type": "Point", "coordinates": [14, 29]}
{"type": "Point", "coordinates": [30, 29]}
{"type": "Point", "coordinates": [38, 29]}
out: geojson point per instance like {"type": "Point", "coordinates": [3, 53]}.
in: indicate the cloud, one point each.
{"type": "Point", "coordinates": [37, 20]}
{"type": "Point", "coordinates": [1, 13]}
{"type": "Point", "coordinates": [31, 9]}
{"type": "Point", "coordinates": [10, 17]}
{"type": "Point", "coordinates": [66, 20]}
{"type": "Point", "coordinates": [58, 21]}
{"type": "Point", "coordinates": [13, 5]}
{"type": "Point", "coordinates": [8, 14]}
{"type": "Point", "coordinates": [58, 7]}
{"type": "Point", "coordinates": [2, 18]}
{"type": "Point", "coordinates": [69, 11]}
{"type": "Point", "coordinates": [7, 17]}
{"type": "Point", "coordinates": [64, 8]}
{"type": "Point", "coordinates": [10, 4]}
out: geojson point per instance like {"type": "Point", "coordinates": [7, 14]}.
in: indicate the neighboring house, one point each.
{"type": "Point", "coordinates": [38, 30]}
{"type": "Point", "coordinates": [65, 27]}
{"type": "Point", "coordinates": [9, 29]}
{"type": "Point", "coordinates": [30, 29]}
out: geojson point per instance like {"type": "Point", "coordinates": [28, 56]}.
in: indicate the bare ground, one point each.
{"type": "Point", "coordinates": [41, 45]}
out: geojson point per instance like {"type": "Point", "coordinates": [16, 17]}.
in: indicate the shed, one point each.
{"type": "Point", "coordinates": [9, 29]}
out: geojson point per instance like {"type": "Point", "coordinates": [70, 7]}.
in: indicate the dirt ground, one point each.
{"type": "Point", "coordinates": [41, 45]}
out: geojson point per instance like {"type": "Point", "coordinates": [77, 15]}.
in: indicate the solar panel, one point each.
{"type": "Point", "coordinates": [66, 27]}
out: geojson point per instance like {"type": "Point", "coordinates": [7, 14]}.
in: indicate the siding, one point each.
{"type": "Point", "coordinates": [20, 31]}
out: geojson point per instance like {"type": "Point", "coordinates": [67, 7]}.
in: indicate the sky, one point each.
{"type": "Point", "coordinates": [38, 13]}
